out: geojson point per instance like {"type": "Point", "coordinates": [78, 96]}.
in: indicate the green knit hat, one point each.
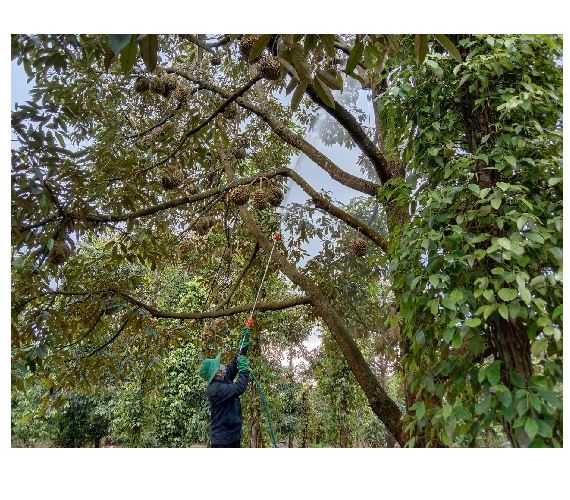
{"type": "Point", "coordinates": [210, 367]}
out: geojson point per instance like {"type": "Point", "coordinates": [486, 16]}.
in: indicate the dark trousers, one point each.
{"type": "Point", "coordinates": [234, 444]}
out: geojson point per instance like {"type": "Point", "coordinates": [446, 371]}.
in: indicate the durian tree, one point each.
{"type": "Point", "coordinates": [151, 142]}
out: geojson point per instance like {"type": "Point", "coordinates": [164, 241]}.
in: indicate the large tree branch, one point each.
{"type": "Point", "coordinates": [263, 306]}
{"type": "Point", "coordinates": [110, 341]}
{"type": "Point", "coordinates": [295, 140]}
{"type": "Point", "coordinates": [183, 200]}
{"type": "Point", "coordinates": [355, 130]}
{"type": "Point", "coordinates": [380, 402]}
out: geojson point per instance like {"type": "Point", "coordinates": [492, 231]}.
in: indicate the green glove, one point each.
{"type": "Point", "coordinates": [243, 364]}
{"type": "Point", "coordinates": [244, 340]}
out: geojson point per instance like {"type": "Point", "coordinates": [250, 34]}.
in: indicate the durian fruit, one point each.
{"type": "Point", "coordinates": [274, 196]}
{"type": "Point", "coordinates": [157, 85]}
{"type": "Point", "coordinates": [260, 199]}
{"type": "Point", "coordinates": [220, 324]}
{"type": "Point", "coordinates": [358, 246]}
{"type": "Point", "coordinates": [215, 60]}
{"type": "Point", "coordinates": [181, 93]}
{"type": "Point", "coordinates": [204, 224]}
{"type": "Point", "coordinates": [190, 188]}
{"type": "Point", "coordinates": [269, 67]}
{"type": "Point", "coordinates": [142, 83]}
{"type": "Point", "coordinates": [239, 153]}
{"type": "Point", "coordinates": [241, 142]}
{"type": "Point", "coordinates": [170, 83]}
{"type": "Point", "coordinates": [59, 253]}
{"type": "Point", "coordinates": [246, 45]}
{"type": "Point", "coordinates": [171, 178]}
{"type": "Point", "coordinates": [239, 195]}
{"type": "Point", "coordinates": [231, 111]}
{"type": "Point", "coordinates": [208, 334]}
{"type": "Point", "coordinates": [186, 246]}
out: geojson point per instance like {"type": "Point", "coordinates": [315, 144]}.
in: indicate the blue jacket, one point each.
{"type": "Point", "coordinates": [225, 407]}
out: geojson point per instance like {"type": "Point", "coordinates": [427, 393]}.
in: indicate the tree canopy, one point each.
{"type": "Point", "coordinates": [150, 173]}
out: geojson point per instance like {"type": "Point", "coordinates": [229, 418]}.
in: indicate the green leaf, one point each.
{"type": "Point", "coordinates": [447, 410]}
{"type": "Point", "coordinates": [557, 312]}
{"type": "Point", "coordinates": [504, 311]}
{"type": "Point", "coordinates": [434, 280]}
{"type": "Point", "coordinates": [259, 46]}
{"type": "Point", "coordinates": [531, 428]}
{"type": "Point", "coordinates": [448, 44]}
{"type": "Point", "coordinates": [535, 402]}
{"type": "Point", "coordinates": [511, 160]}
{"type": "Point", "coordinates": [522, 406]}
{"type": "Point", "coordinates": [496, 203]}
{"type": "Point", "coordinates": [324, 92]}
{"type": "Point", "coordinates": [517, 380]}
{"type": "Point", "coordinates": [525, 294]}
{"type": "Point", "coordinates": [456, 295]}
{"type": "Point", "coordinates": [448, 335]}
{"type": "Point", "coordinates": [329, 80]}
{"type": "Point", "coordinates": [298, 94]}
{"type": "Point", "coordinates": [494, 372]}
{"type": "Point", "coordinates": [300, 63]}
{"type": "Point", "coordinates": [483, 406]}
{"type": "Point", "coordinates": [505, 397]}
{"type": "Point", "coordinates": [473, 322]}
{"type": "Point", "coordinates": [328, 43]}
{"type": "Point", "coordinates": [118, 42]}
{"type": "Point", "coordinates": [149, 50]}
{"type": "Point", "coordinates": [355, 56]}
{"type": "Point", "coordinates": [420, 409]}
{"type": "Point", "coordinates": [544, 429]}
{"type": "Point", "coordinates": [504, 242]}
{"type": "Point", "coordinates": [420, 48]}
{"type": "Point", "coordinates": [507, 294]}
{"type": "Point", "coordinates": [549, 398]}
{"type": "Point", "coordinates": [128, 55]}
{"type": "Point", "coordinates": [538, 346]}
{"type": "Point", "coordinates": [462, 413]}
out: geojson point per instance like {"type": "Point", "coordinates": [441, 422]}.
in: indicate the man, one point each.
{"type": "Point", "coordinates": [223, 395]}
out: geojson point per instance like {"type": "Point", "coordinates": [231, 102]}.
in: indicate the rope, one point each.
{"type": "Point", "coordinates": [265, 406]}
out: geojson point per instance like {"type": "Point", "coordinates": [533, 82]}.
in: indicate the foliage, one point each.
{"type": "Point", "coordinates": [461, 207]}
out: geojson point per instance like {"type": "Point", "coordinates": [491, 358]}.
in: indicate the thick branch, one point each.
{"type": "Point", "coordinates": [263, 306]}
{"type": "Point", "coordinates": [336, 173]}
{"type": "Point", "coordinates": [336, 212]}
{"type": "Point", "coordinates": [359, 136]}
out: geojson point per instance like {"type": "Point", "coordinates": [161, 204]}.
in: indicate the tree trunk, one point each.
{"type": "Point", "coordinates": [383, 365]}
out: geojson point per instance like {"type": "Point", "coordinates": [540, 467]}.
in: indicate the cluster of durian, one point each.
{"type": "Point", "coordinates": [59, 253]}
{"type": "Point", "coordinates": [215, 60]}
{"type": "Point", "coordinates": [261, 197]}
{"type": "Point", "coordinates": [239, 153]}
{"type": "Point", "coordinates": [267, 66]}
{"type": "Point", "coordinates": [164, 84]}
{"type": "Point", "coordinates": [203, 225]}
{"type": "Point", "coordinates": [171, 177]}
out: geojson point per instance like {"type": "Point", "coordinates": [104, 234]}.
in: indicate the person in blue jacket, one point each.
{"type": "Point", "coordinates": [223, 394]}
